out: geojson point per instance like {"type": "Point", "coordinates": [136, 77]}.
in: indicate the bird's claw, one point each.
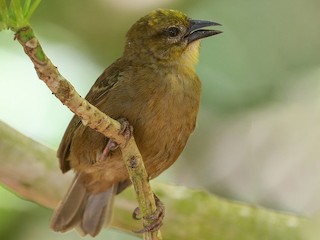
{"type": "Point", "coordinates": [155, 218]}
{"type": "Point", "coordinates": [126, 130]}
{"type": "Point", "coordinates": [136, 213]}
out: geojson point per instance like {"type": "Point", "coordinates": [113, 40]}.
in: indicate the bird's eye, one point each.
{"type": "Point", "coordinates": [173, 31]}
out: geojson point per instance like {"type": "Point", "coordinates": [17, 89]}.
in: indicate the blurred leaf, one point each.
{"type": "Point", "coordinates": [15, 15]}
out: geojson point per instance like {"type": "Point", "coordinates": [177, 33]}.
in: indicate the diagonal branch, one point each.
{"type": "Point", "coordinates": [93, 118]}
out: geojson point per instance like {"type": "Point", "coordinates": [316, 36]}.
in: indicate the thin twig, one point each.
{"type": "Point", "coordinates": [93, 118]}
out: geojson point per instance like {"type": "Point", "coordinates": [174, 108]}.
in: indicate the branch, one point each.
{"type": "Point", "coordinates": [16, 17]}
{"type": "Point", "coordinates": [30, 170]}
{"type": "Point", "coordinates": [93, 118]}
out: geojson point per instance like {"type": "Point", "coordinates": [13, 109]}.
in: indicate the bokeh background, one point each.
{"type": "Point", "coordinates": [257, 138]}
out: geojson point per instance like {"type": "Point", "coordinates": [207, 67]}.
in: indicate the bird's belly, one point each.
{"type": "Point", "coordinates": [162, 136]}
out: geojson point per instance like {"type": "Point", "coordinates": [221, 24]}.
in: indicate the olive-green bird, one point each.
{"type": "Point", "coordinates": [154, 86]}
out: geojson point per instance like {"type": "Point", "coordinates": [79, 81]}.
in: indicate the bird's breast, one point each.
{"type": "Point", "coordinates": [166, 119]}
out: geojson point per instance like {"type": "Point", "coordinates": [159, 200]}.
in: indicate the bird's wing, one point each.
{"type": "Point", "coordinates": [64, 147]}
{"type": "Point", "coordinates": [95, 96]}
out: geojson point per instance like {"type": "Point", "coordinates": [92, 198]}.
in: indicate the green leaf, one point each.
{"type": "Point", "coordinates": [26, 7]}
{"type": "Point", "coordinates": [3, 14]}
{"type": "Point", "coordinates": [32, 8]}
{"type": "Point", "coordinates": [15, 14]}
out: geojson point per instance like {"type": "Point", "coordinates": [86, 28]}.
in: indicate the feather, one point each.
{"type": "Point", "coordinates": [85, 211]}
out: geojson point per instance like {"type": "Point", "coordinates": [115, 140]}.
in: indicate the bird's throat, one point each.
{"type": "Point", "coordinates": [190, 55]}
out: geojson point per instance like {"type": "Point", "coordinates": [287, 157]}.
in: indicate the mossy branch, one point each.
{"type": "Point", "coordinates": [30, 170]}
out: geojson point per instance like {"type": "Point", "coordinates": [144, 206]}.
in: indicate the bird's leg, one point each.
{"type": "Point", "coordinates": [156, 217]}
{"type": "Point", "coordinates": [111, 146]}
{"type": "Point", "coordinates": [126, 130]}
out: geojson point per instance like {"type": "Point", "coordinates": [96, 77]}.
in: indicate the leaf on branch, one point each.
{"type": "Point", "coordinates": [15, 14]}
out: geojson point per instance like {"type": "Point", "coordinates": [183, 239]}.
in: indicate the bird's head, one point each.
{"type": "Point", "coordinates": [167, 36]}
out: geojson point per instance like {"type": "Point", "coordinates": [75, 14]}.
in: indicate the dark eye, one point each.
{"type": "Point", "coordinates": [173, 31]}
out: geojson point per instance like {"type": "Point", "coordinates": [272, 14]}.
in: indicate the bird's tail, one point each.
{"type": "Point", "coordinates": [87, 212]}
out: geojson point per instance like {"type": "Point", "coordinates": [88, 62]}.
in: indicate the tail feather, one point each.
{"type": "Point", "coordinates": [71, 206]}
{"type": "Point", "coordinates": [97, 211]}
{"type": "Point", "coordinates": [87, 212]}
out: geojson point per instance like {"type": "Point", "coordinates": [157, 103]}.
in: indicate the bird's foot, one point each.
{"type": "Point", "coordinates": [155, 218]}
{"type": "Point", "coordinates": [126, 130]}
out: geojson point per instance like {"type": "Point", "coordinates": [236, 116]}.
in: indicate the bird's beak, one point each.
{"type": "Point", "coordinates": [196, 32]}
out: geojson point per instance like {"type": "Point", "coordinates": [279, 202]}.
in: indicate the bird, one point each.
{"type": "Point", "coordinates": [154, 87]}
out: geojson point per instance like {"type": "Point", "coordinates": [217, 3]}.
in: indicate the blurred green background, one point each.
{"type": "Point", "coordinates": [258, 131]}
